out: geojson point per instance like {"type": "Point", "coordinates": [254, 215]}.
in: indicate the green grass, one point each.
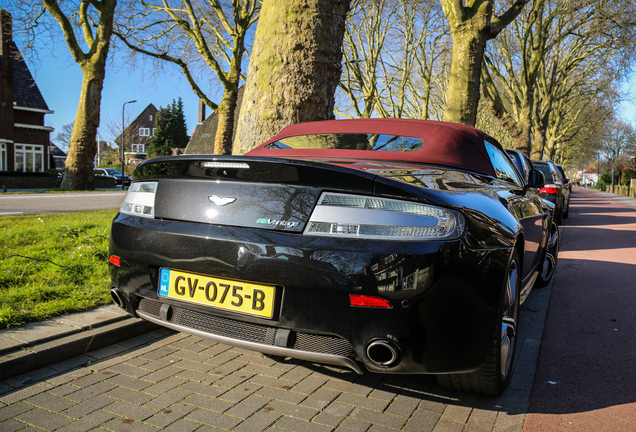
{"type": "Point", "coordinates": [52, 264]}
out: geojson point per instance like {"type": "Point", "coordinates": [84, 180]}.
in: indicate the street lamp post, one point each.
{"type": "Point", "coordinates": [123, 141]}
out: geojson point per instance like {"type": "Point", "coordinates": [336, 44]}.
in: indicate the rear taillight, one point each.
{"type": "Point", "coordinates": [548, 191]}
{"type": "Point", "coordinates": [114, 259]}
{"type": "Point", "coordinates": [140, 200]}
{"type": "Point", "coordinates": [359, 300]}
{"type": "Point", "coordinates": [357, 216]}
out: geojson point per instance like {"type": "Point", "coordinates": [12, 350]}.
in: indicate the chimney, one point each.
{"type": "Point", "coordinates": [201, 111]}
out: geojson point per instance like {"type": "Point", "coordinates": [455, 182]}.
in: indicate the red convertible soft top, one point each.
{"type": "Point", "coordinates": [447, 144]}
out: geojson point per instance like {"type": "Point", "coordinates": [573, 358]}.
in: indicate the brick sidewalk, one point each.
{"type": "Point", "coordinates": [177, 382]}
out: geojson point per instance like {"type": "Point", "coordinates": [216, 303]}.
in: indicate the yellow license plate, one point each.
{"type": "Point", "coordinates": [242, 297]}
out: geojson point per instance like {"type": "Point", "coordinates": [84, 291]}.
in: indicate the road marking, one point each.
{"type": "Point", "coordinates": [10, 213]}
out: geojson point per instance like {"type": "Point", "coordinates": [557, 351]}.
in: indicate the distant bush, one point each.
{"type": "Point", "coordinates": [626, 176]}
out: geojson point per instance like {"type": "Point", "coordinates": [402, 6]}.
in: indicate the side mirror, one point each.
{"type": "Point", "coordinates": [536, 179]}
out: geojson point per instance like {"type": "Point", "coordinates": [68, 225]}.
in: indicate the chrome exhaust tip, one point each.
{"type": "Point", "coordinates": [118, 298]}
{"type": "Point", "coordinates": [383, 353]}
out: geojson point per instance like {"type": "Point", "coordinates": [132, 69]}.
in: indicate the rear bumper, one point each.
{"type": "Point", "coordinates": [444, 297]}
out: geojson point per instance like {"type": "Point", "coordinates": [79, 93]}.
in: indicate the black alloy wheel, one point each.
{"type": "Point", "coordinates": [550, 260]}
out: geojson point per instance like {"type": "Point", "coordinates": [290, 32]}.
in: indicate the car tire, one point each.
{"type": "Point", "coordinates": [493, 376]}
{"type": "Point", "coordinates": [548, 267]}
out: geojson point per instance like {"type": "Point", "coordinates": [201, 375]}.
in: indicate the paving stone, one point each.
{"type": "Point", "coordinates": [90, 392]}
{"type": "Point", "coordinates": [87, 422]}
{"type": "Point", "coordinates": [448, 426]}
{"type": "Point", "coordinates": [292, 409]}
{"type": "Point", "coordinates": [164, 386]}
{"type": "Point", "coordinates": [260, 420]}
{"type": "Point", "coordinates": [161, 374]}
{"type": "Point", "coordinates": [348, 387]}
{"type": "Point", "coordinates": [155, 354]}
{"type": "Point", "coordinates": [11, 425]}
{"type": "Point", "coordinates": [403, 406]}
{"type": "Point", "coordinates": [170, 415]}
{"type": "Point", "coordinates": [296, 424]}
{"type": "Point", "coordinates": [240, 392]}
{"type": "Point", "coordinates": [127, 369]}
{"type": "Point", "coordinates": [25, 393]}
{"type": "Point", "coordinates": [377, 417]}
{"type": "Point", "coordinates": [212, 418]}
{"type": "Point", "coordinates": [422, 421]}
{"type": "Point", "coordinates": [44, 419]}
{"type": "Point", "coordinates": [207, 402]}
{"type": "Point", "coordinates": [88, 406]}
{"type": "Point", "coordinates": [199, 377]}
{"type": "Point", "coordinates": [362, 402]}
{"type": "Point", "coordinates": [89, 379]}
{"type": "Point", "coordinates": [183, 425]}
{"type": "Point", "coordinates": [321, 398]}
{"type": "Point", "coordinates": [353, 425]}
{"type": "Point", "coordinates": [50, 402]}
{"type": "Point", "coordinates": [281, 394]}
{"type": "Point", "coordinates": [128, 395]}
{"type": "Point", "coordinates": [333, 414]}
{"type": "Point", "coordinates": [309, 384]}
{"type": "Point", "coordinates": [129, 410]}
{"type": "Point", "coordinates": [129, 382]}
{"type": "Point", "coordinates": [168, 398]}
{"type": "Point", "coordinates": [204, 389]}
{"type": "Point", "coordinates": [233, 379]}
{"type": "Point", "coordinates": [13, 410]}
{"type": "Point", "coordinates": [456, 414]}
{"type": "Point", "coordinates": [481, 421]}
{"type": "Point", "coordinates": [124, 424]}
{"type": "Point", "coordinates": [249, 406]}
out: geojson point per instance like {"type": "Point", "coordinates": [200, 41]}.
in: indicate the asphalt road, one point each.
{"type": "Point", "coordinates": [586, 375]}
{"type": "Point", "coordinates": [37, 203]}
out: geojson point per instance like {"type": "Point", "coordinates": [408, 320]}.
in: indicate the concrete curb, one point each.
{"type": "Point", "coordinates": [55, 350]}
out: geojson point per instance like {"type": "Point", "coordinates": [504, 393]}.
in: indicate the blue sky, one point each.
{"type": "Point", "coordinates": [59, 79]}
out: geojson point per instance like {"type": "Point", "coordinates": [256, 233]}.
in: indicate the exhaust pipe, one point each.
{"type": "Point", "coordinates": [118, 298]}
{"type": "Point", "coordinates": [383, 353]}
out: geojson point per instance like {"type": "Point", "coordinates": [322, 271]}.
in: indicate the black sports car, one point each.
{"type": "Point", "coordinates": [388, 245]}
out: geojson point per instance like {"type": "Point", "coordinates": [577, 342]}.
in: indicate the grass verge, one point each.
{"type": "Point", "coordinates": [51, 264]}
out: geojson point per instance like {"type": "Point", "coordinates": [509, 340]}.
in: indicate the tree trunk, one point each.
{"type": "Point", "coordinates": [462, 94]}
{"type": "Point", "coordinates": [82, 147]}
{"type": "Point", "coordinates": [294, 68]}
{"type": "Point", "coordinates": [225, 123]}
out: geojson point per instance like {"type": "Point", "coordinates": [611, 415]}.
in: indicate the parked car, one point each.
{"type": "Point", "coordinates": [521, 161]}
{"type": "Point", "coordinates": [387, 245]}
{"type": "Point", "coordinates": [566, 180]}
{"type": "Point", "coordinates": [555, 190]}
{"type": "Point", "coordinates": [113, 172]}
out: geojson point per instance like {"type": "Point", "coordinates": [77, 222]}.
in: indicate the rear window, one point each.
{"type": "Point", "coordinates": [545, 169]}
{"type": "Point", "coordinates": [349, 141]}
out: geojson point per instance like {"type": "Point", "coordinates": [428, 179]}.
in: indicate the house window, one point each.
{"type": "Point", "coordinates": [138, 148]}
{"type": "Point", "coordinates": [153, 131]}
{"type": "Point", "coordinates": [29, 158]}
{"type": "Point", "coordinates": [144, 132]}
{"type": "Point", "coordinates": [151, 118]}
{"type": "Point", "coordinates": [3, 157]}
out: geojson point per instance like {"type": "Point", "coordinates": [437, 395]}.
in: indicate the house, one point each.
{"type": "Point", "coordinates": [58, 157]}
{"type": "Point", "coordinates": [138, 135]}
{"type": "Point", "coordinates": [24, 139]}
{"type": "Point", "coordinates": [202, 140]}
